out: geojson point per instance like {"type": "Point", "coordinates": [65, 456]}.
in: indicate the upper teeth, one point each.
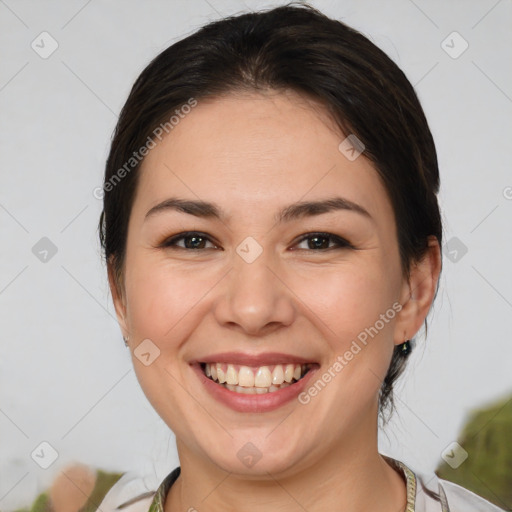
{"type": "Point", "coordinates": [262, 377]}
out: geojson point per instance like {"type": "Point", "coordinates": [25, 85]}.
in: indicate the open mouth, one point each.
{"type": "Point", "coordinates": [255, 380]}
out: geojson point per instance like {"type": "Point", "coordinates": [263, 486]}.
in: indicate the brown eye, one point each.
{"type": "Point", "coordinates": [321, 241]}
{"type": "Point", "coordinates": [317, 242]}
{"type": "Point", "coordinates": [192, 240]}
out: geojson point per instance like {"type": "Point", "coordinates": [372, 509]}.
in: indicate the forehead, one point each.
{"type": "Point", "coordinates": [260, 149]}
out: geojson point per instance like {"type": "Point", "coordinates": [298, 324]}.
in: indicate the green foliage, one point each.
{"type": "Point", "coordinates": [104, 482]}
{"type": "Point", "coordinates": [41, 504]}
{"type": "Point", "coordinates": [487, 437]}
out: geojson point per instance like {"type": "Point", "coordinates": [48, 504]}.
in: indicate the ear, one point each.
{"type": "Point", "coordinates": [118, 297]}
{"type": "Point", "coordinates": [418, 292]}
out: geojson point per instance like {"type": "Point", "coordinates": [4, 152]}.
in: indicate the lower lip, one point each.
{"type": "Point", "coordinates": [253, 403]}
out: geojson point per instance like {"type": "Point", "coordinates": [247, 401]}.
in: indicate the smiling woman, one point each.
{"type": "Point", "coordinates": [271, 258]}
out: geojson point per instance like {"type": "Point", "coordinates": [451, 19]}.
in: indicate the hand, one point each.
{"type": "Point", "coordinates": [71, 488]}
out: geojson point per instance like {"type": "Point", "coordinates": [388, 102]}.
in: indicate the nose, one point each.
{"type": "Point", "coordinates": [255, 298]}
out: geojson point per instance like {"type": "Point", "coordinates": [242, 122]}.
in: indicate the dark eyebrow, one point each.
{"type": "Point", "coordinates": [294, 211]}
{"type": "Point", "coordinates": [311, 208]}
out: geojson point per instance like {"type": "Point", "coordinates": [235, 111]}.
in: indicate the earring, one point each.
{"type": "Point", "coordinates": [126, 340]}
{"type": "Point", "coordinates": [405, 348]}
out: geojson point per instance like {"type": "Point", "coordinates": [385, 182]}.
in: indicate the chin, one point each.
{"type": "Point", "coordinates": [250, 461]}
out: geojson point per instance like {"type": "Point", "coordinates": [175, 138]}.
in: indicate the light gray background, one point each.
{"type": "Point", "coordinates": [66, 377]}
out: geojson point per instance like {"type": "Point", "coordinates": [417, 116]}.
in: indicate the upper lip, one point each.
{"type": "Point", "coordinates": [242, 358]}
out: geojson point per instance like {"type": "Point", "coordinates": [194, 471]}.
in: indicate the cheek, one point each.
{"type": "Point", "coordinates": [354, 306]}
{"type": "Point", "coordinates": [342, 299]}
{"type": "Point", "coordinates": [349, 298]}
{"type": "Point", "coordinates": [162, 306]}
{"type": "Point", "coordinates": [160, 297]}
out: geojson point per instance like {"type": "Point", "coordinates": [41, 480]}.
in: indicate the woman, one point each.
{"type": "Point", "coordinates": [272, 237]}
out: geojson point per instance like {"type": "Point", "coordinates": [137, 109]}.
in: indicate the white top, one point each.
{"type": "Point", "coordinates": [425, 493]}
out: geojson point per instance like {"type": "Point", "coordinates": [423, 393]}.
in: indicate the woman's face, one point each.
{"type": "Point", "coordinates": [250, 284]}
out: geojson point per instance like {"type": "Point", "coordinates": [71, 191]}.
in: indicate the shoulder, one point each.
{"type": "Point", "coordinates": [133, 493]}
{"type": "Point", "coordinates": [129, 494]}
{"type": "Point", "coordinates": [434, 494]}
{"type": "Point", "coordinates": [460, 499]}
{"type": "Point", "coordinates": [429, 493]}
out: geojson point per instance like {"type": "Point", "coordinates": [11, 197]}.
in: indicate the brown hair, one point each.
{"type": "Point", "coordinates": [298, 48]}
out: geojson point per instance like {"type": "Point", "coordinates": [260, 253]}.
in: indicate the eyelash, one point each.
{"type": "Point", "coordinates": [170, 243]}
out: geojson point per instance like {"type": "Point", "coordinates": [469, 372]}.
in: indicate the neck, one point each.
{"type": "Point", "coordinates": [350, 476]}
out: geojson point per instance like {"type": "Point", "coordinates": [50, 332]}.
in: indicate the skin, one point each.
{"type": "Point", "coordinates": [253, 154]}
